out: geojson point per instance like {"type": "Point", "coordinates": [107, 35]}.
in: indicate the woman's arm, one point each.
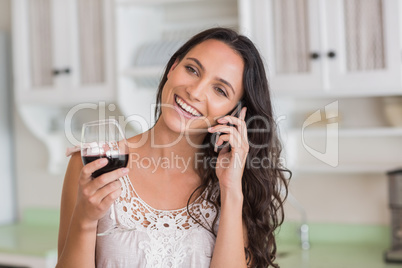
{"type": "Point", "coordinates": [84, 201]}
{"type": "Point", "coordinates": [232, 234]}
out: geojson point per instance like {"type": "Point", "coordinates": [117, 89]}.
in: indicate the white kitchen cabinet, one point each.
{"type": "Point", "coordinates": [63, 51]}
{"type": "Point", "coordinates": [63, 55]}
{"type": "Point", "coordinates": [328, 47]}
{"type": "Point", "coordinates": [322, 52]}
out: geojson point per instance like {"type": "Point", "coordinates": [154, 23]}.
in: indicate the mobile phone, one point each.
{"type": "Point", "coordinates": [236, 113]}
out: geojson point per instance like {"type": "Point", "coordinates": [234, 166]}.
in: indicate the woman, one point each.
{"type": "Point", "coordinates": [217, 201]}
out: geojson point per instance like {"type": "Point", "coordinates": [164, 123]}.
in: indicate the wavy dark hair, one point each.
{"type": "Point", "coordinates": [265, 187]}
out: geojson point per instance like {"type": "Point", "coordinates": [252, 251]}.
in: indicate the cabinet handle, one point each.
{"type": "Point", "coordinates": [314, 55]}
{"type": "Point", "coordinates": [331, 54]}
{"type": "Point", "coordinates": [61, 71]}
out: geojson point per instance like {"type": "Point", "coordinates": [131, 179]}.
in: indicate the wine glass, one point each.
{"type": "Point", "coordinates": [105, 139]}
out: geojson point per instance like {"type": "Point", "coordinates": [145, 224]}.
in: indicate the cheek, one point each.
{"type": "Point", "coordinates": [216, 112]}
{"type": "Point", "coordinates": [166, 94]}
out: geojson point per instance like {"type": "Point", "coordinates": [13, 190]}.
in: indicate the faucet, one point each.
{"type": "Point", "coordinates": [304, 228]}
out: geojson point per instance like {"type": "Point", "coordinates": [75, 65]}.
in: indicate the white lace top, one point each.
{"type": "Point", "coordinates": [160, 238]}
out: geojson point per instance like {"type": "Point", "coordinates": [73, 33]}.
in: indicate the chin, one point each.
{"type": "Point", "coordinates": [179, 124]}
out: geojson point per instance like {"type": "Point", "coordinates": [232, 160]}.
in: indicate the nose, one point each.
{"type": "Point", "coordinates": [196, 92]}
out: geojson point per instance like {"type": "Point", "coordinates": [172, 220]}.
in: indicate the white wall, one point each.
{"type": "Point", "coordinates": [7, 188]}
{"type": "Point", "coordinates": [341, 198]}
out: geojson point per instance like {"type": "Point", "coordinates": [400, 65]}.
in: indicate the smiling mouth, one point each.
{"type": "Point", "coordinates": [185, 107]}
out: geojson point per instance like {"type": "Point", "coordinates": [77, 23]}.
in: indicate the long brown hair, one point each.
{"type": "Point", "coordinates": [264, 187]}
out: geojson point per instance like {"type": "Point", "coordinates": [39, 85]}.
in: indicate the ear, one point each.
{"type": "Point", "coordinates": [173, 67]}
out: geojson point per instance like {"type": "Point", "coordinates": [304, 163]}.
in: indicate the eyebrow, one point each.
{"type": "Point", "coordinates": [219, 79]}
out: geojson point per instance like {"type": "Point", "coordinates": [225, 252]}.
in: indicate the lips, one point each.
{"type": "Point", "coordinates": [186, 108]}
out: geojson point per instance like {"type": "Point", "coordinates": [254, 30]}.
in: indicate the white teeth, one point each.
{"type": "Point", "coordinates": [186, 107]}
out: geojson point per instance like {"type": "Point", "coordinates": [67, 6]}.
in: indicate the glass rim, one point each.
{"type": "Point", "coordinates": [101, 122]}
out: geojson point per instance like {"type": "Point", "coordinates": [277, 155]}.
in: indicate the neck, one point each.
{"type": "Point", "coordinates": [178, 149]}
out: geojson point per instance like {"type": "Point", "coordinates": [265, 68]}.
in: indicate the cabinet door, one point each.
{"type": "Point", "coordinates": [93, 49]}
{"type": "Point", "coordinates": [290, 33]}
{"type": "Point", "coordinates": [63, 51]}
{"type": "Point", "coordinates": [363, 45]}
{"type": "Point", "coordinates": [33, 55]}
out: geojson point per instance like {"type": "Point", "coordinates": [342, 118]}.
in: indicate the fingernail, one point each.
{"type": "Point", "coordinates": [103, 161]}
{"type": "Point", "coordinates": [125, 170]}
{"type": "Point", "coordinates": [210, 129]}
{"type": "Point", "coordinates": [222, 120]}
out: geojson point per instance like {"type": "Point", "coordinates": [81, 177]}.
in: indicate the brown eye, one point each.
{"type": "Point", "coordinates": [191, 70]}
{"type": "Point", "coordinates": [220, 91]}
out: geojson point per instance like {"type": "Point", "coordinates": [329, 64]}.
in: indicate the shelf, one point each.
{"type": "Point", "coordinates": [368, 168]}
{"type": "Point", "coordinates": [144, 71]}
{"type": "Point", "coordinates": [201, 24]}
{"type": "Point", "coordinates": [324, 94]}
{"type": "Point", "coordinates": [354, 132]}
{"type": "Point", "coordinates": [145, 77]}
{"type": "Point", "coordinates": [157, 2]}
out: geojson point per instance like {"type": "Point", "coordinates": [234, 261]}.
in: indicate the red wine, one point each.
{"type": "Point", "coordinates": [114, 162]}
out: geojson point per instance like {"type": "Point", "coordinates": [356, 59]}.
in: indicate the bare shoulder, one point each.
{"type": "Point", "coordinates": [74, 166]}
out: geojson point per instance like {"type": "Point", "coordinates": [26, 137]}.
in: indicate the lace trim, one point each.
{"type": "Point", "coordinates": [167, 229]}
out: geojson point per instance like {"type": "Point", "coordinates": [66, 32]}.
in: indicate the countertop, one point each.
{"type": "Point", "coordinates": [35, 236]}
{"type": "Point", "coordinates": [335, 246]}
{"type": "Point", "coordinates": [332, 245]}
{"type": "Point", "coordinates": [333, 255]}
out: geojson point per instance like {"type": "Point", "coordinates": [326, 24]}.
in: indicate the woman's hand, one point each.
{"type": "Point", "coordinates": [230, 164]}
{"type": "Point", "coordinates": [96, 195]}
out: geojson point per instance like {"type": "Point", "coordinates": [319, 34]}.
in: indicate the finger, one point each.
{"type": "Point", "coordinates": [109, 177]}
{"type": "Point", "coordinates": [225, 149]}
{"type": "Point", "coordinates": [90, 168]}
{"type": "Point", "coordinates": [219, 141]}
{"type": "Point", "coordinates": [108, 200]}
{"type": "Point", "coordinates": [228, 130]}
{"type": "Point", "coordinates": [109, 193]}
{"type": "Point", "coordinates": [241, 126]}
{"type": "Point", "coordinates": [239, 123]}
{"type": "Point", "coordinates": [222, 139]}
{"type": "Point", "coordinates": [222, 128]}
{"type": "Point", "coordinates": [244, 129]}
{"type": "Point", "coordinates": [243, 113]}
{"type": "Point", "coordinates": [234, 139]}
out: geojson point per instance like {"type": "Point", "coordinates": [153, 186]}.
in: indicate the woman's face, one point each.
{"type": "Point", "coordinates": [204, 86]}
